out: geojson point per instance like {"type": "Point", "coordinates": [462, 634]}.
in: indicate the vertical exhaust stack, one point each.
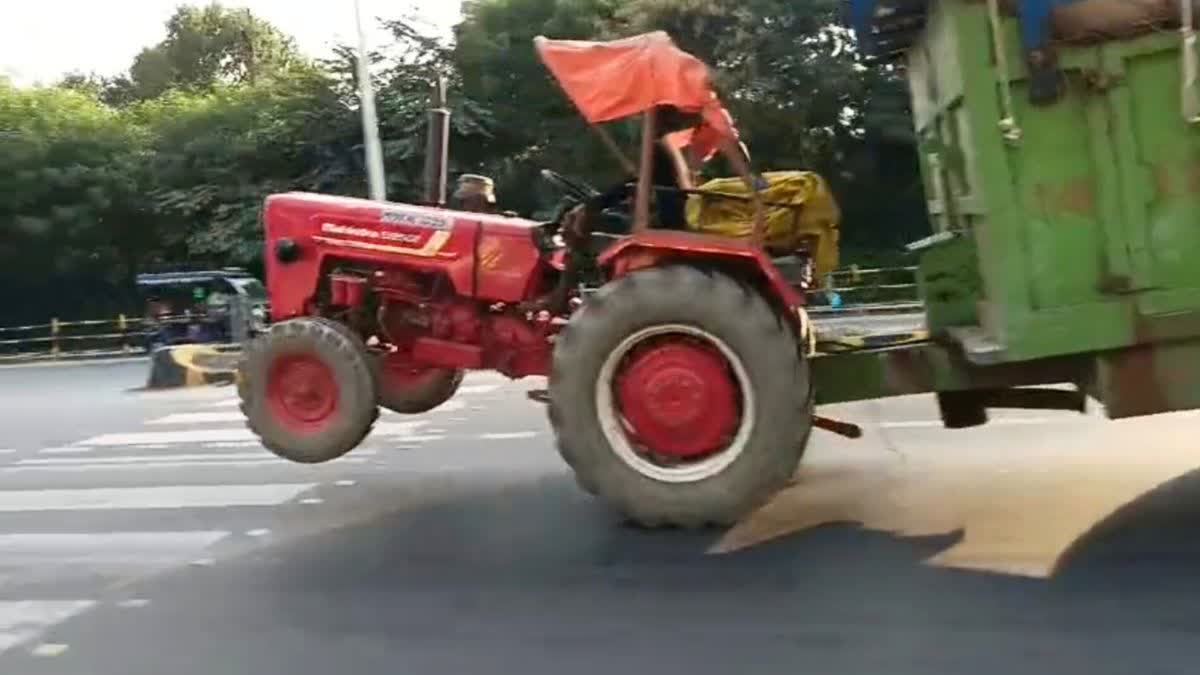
{"type": "Point", "coordinates": [437, 148]}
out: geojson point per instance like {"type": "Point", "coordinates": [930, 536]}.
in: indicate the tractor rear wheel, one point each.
{"type": "Point", "coordinates": [411, 390]}
{"type": "Point", "coordinates": [307, 390]}
{"type": "Point", "coordinates": [681, 397]}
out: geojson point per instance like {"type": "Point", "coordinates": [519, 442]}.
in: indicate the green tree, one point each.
{"type": "Point", "coordinates": [404, 73]}
{"type": "Point", "coordinates": [170, 162]}
{"type": "Point", "coordinates": [76, 224]}
{"type": "Point", "coordinates": [216, 156]}
{"type": "Point", "coordinates": [535, 126]}
{"type": "Point", "coordinates": [804, 100]}
{"type": "Point", "coordinates": [211, 45]}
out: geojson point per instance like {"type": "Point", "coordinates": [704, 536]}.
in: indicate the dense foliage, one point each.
{"type": "Point", "coordinates": [168, 163]}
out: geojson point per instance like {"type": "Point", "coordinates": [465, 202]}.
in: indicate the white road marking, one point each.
{"type": "Point", "coordinates": [261, 532]}
{"type": "Point", "coordinates": [226, 403]}
{"type": "Point", "coordinates": [427, 438]}
{"type": "Point", "coordinates": [344, 483]}
{"type": "Point", "coordinates": [133, 603]}
{"type": "Point", "coordinates": [478, 389]}
{"type": "Point", "coordinates": [1003, 421]}
{"type": "Point", "coordinates": [231, 435]}
{"type": "Point", "coordinates": [68, 450]}
{"type": "Point", "coordinates": [397, 428]}
{"type": "Point", "coordinates": [72, 364]}
{"type": "Point", "coordinates": [48, 649]}
{"type": "Point", "coordinates": [7, 451]}
{"type": "Point", "coordinates": [491, 377]}
{"type": "Point", "coordinates": [156, 446]}
{"type": "Point", "coordinates": [170, 437]}
{"type": "Point", "coordinates": [199, 418]}
{"type": "Point", "coordinates": [453, 405]}
{"type": "Point", "coordinates": [158, 497]}
{"type": "Point", "coordinates": [235, 444]}
{"type": "Point", "coordinates": [152, 459]}
{"type": "Point", "coordinates": [111, 548]}
{"type": "Point", "coordinates": [269, 461]}
{"type": "Point", "coordinates": [312, 500]}
{"type": "Point", "coordinates": [24, 620]}
{"type": "Point", "coordinates": [517, 435]}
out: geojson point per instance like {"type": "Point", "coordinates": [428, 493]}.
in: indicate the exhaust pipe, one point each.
{"type": "Point", "coordinates": [437, 147]}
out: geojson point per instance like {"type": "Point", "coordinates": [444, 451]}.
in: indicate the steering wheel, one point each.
{"type": "Point", "coordinates": [575, 189]}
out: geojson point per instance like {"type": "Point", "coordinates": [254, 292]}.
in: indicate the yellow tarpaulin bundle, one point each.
{"type": "Point", "coordinates": [816, 220]}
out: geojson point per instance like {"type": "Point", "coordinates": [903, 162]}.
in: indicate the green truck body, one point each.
{"type": "Point", "coordinates": [1066, 242]}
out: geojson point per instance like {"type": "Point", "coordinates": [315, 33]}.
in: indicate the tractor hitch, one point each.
{"type": "Point", "coordinates": [845, 429]}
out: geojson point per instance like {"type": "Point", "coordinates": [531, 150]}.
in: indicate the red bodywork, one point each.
{"type": "Point", "coordinates": [449, 289]}
{"type": "Point", "coordinates": [654, 247]}
{"type": "Point", "coordinates": [446, 289]}
{"type": "Point", "coordinates": [442, 287]}
{"type": "Point", "coordinates": [332, 229]}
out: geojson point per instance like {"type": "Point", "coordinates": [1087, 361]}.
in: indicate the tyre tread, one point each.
{"type": "Point", "coordinates": [647, 292]}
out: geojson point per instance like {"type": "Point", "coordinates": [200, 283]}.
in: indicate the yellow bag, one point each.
{"type": "Point", "coordinates": [815, 222]}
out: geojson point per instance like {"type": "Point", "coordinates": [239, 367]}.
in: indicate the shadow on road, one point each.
{"type": "Point", "coordinates": [1153, 535]}
{"type": "Point", "coordinates": [537, 578]}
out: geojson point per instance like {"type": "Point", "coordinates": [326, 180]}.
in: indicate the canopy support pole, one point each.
{"type": "Point", "coordinates": [641, 213]}
{"type": "Point", "coordinates": [615, 149]}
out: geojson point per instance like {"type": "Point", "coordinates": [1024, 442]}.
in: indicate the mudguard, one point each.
{"type": "Point", "coordinates": [656, 247]}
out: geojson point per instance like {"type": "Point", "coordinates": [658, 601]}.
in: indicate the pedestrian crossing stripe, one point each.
{"type": "Point", "coordinates": [230, 435]}
{"type": "Point", "coordinates": [23, 621]}
{"type": "Point", "coordinates": [105, 548]}
{"type": "Point", "coordinates": [154, 497]}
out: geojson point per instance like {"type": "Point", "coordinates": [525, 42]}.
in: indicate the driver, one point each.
{"type": "Point", "coordinates": [669, 171]}
{"type": "Point", "coordinates": [475, 193]}
{"type": "Point", "coordinates": [672, 171]}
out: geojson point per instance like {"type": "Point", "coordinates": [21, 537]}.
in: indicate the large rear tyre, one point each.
{"type": "Point", "coordinates": [307, 390]}
{"type": "Point", "coordinates": [412, 390]}
{"type": "Point", "coordinates": [680, 397]}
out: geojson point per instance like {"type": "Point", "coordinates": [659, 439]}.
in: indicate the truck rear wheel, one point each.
{"type": "Point", "coordinates": [412, 390]}
{"type": "Point", "coordinates": [681, 397]}
{"type": "Point", "coordinates": [307, 390]}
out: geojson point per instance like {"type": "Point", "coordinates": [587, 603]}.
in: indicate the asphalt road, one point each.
{"type": "Point", "coordinates": [146, 533]}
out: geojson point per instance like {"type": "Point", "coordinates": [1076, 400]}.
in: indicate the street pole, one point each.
{"type": "Point", "coordinates": [370, 121]}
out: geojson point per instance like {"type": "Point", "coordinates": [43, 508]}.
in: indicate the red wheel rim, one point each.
{"type": "Point", "coordinates": [302, 392]}
{"type": "Point", "coordinates": [678, 397]}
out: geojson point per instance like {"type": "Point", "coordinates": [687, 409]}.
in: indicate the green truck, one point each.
{"type": "Point", "coordinates": [1061, 164]}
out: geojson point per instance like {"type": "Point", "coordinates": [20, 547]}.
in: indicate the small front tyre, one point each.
{"type": "Point", "coordinates": [307, 390]}
{"type": "Point", "coordinates": [409, 389]}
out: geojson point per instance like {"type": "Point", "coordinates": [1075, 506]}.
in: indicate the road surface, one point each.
{"type": "Point", "coordinates": [147, 533]}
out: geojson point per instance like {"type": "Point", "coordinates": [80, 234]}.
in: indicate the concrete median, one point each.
{"type": "Point", "coordinates": [192, 366]}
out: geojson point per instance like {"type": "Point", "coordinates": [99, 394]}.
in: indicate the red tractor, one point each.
{"type": "Point", "coordinates": [679, 384]}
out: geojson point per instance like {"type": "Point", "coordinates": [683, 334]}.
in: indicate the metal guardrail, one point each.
{"type": "Point", "coordinates": [883, 290]}
{"type": "Point", "coordinates": [874, 284]}
{"type": "Point", "coordinates": [872, 309]}
{"type": "Point", "coordinates": [57, 339]}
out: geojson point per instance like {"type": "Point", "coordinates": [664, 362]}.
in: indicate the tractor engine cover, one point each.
{"type": "Point", "coordinates": [485, 257]}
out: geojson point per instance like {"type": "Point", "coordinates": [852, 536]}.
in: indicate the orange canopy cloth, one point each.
{"type": "Point", "coordinates": [613, 80]}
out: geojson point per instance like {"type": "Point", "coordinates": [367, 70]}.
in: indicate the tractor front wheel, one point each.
{"type": "Point", "coordinates": [307, 390]}
{"type": "Point", "coordinates": [681, 397]}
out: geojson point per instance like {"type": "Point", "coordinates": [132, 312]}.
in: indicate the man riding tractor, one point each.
{"type": "Point", "coordinates": [674, 167]}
